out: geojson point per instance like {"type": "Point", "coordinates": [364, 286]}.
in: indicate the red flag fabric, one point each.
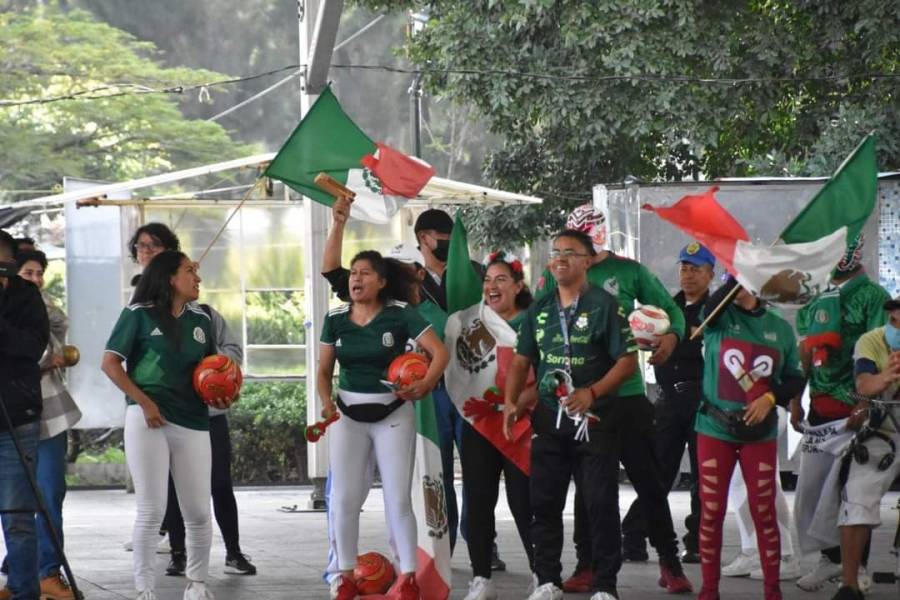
{"type": "Point", "coordinates": [703, 218]}
{"type": "Point", "coordinates": [400, 175]}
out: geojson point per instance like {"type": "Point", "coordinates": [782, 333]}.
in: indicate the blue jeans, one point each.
{"type": "Point", "coordinates": [449, 424]}
{"type": "Point", "coordinates": [51, 478]}
{"type": "Point", "coordinates": [19, 527]}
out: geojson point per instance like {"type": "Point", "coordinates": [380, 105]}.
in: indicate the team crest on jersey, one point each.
{"type": "Point", "coordinates": [581, 322]}
{"type": "Point", "coordinates": [199, 335]}
{"type": "Point", "coordinates": [611, 285]}
{"type": "Point", "coordinates": [475, 347]}
{"type": "Point", "coordinates": [821, 316]}
{"type": "Point", "coordinates": [435, 506]}
{"type": "Point", "coordinates": [387, 339]}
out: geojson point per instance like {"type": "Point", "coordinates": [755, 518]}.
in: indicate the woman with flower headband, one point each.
{"type": "Point", "coordinates": [505, 294]}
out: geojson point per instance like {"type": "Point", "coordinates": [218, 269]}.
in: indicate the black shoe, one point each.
{"type": "Point", "coordinates": [497, 563]}
{"type": "Point", "coordinates": [239, 564]}
{"type": "Point", "coordinates": [635, 555]}
{"type": "Point", "coordinates": [177, 564]}
{"type": "Point", "coordinates": [845, 592]}
{"type": "Point", "coordinates": [689, 557]}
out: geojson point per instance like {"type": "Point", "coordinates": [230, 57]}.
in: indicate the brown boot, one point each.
{"type": "Point", "coordinates": [54, 587]}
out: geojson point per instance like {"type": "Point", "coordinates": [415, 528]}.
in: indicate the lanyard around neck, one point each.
{"type": "Point", "coordinates": [565, 323]}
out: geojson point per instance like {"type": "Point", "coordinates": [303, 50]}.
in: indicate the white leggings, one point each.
{"type": "Point", "coordinates": [350, 445]}
{"type": "Point", "coordinates": [151, 454]}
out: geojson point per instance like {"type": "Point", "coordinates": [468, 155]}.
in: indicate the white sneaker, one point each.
{"type": "Point", "coordinates": [816, 579]}
{"type": "Point", "coordinates": [333, 587]}
{"type": "Point", "coordinates": [197, 590]}
{"type": "Point", "coordinates": [603, 596]}
{"type": "Point", "coordinates": [742, 565]}
{"type": "Point", "coordinates": [548, 591]}
{"type": "Point", "coordinates": [863, 580]}
{"type": "Point", "coordinates": [163, 546]}
{"type": "Point", "coordinates": [481, 588]}
{"type": "Point", "coordinates": [534, 583]}
{"type": "Point", "coordinates": [788, 571]}
{"type": "Point", "coordinates": [147, 595]}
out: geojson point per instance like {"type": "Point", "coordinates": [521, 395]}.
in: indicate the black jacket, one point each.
{"type": "Point", "coordinates": [24, 333]}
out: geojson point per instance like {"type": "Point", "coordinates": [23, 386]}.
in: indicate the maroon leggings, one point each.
{"type": "Point", "coordinates": [716, 459]}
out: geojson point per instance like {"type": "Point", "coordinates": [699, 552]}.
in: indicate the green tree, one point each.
{"type": "Point", "coordinates": [659, 90]}
{"type": "Point", "coordinates": [46, 53]}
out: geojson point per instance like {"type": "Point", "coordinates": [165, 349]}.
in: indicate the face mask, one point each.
{"type": "Point", "coordinates": [442, 251]}
{"type": "Point", "coordinates": [892, 337]}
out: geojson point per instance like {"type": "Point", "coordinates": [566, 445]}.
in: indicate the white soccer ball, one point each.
{"type": "Point", "coordinates": [647, 324]}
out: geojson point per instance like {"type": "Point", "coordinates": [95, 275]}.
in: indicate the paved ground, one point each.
{"type": "Point", "coordinates": [289, 550]}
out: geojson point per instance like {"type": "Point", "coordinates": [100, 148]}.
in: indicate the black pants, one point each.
{"type": "Point", "coordinates": [224, 503]}
{"type": "Point", "coordinates": [673, 427]}
{"type": "Point", "coordinates": [482, 465]}
{"type": "Point", "coordinates": [636, 452]}
{"type": "Point", "coordinates": [555, 457]}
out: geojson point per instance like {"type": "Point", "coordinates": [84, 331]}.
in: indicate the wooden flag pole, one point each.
{"type": "Point", "coordinates": [334, 187]}
{"type": "Point", "coordinates": [259, 181]}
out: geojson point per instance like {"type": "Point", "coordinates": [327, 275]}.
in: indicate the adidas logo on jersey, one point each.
{"type": "Point", "coordinates": [156, 331]}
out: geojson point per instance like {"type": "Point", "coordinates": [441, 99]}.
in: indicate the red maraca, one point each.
{"type": "Point", "coordinates": [317, 429]}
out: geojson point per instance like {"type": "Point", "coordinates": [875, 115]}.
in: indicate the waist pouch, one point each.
{"type": "Point", "coordinates": [733, 423]}
{"type": "Point", "coordinates": [369, 413]}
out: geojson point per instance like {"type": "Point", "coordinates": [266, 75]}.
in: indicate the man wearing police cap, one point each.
{"type": "Point", "coordinates": [680, 381]}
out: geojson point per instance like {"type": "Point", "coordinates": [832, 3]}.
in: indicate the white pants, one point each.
{"type": "Point", "coordinates": [866, 484]}
{"type": "Point", "coordinates": [151, 454]}
{"type": "Point", "coordinates": [350, 446]}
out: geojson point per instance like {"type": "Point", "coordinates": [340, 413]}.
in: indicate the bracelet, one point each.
{"type": "Point", "coordinates": [771, 397]}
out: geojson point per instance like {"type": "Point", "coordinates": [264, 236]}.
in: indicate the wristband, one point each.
{"type": "Point", "coordinates": [770, 396]}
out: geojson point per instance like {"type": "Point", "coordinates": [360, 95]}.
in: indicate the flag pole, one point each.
{"type": "Point", "coordinates": [256, 184]}
{"type": "Point", "coordinates": [730, 297]}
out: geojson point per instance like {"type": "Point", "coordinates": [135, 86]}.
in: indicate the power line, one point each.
{"type": "Point", "coordinates": [114, 90]}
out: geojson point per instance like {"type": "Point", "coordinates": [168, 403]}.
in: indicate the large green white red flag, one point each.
{"type": "Point", "coordinates": [328, 141]}
{"type": "Point", "coordinates": [481, 346]}
{"type": "Point", "coordinates": [430, 507]}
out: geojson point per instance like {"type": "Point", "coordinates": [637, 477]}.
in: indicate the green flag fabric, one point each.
{"type": "Point", "coordinates": [846, 200]}
{"type": "Point", "coordinates": [463, 284]}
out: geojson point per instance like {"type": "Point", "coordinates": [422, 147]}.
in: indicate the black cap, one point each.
{"type": "Point", "coordinates": [434, 219]}
{"type": "Point", "coordinates": [892, 304]}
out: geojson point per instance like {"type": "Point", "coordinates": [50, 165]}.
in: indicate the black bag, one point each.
{"type": "Point", "coordinates": [733, 422]}
{"type": "Point", "coordinates": [369, 413]}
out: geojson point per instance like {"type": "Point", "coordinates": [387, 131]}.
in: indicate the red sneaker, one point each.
{"type": "Point", "coordinates": [673, 579]}
{"type": "Point", "coordinates": [579, 582]}
{"type": "Point", "coordinates": [406, 588]}
{"type": "Point", "coordinates": [346, 589]}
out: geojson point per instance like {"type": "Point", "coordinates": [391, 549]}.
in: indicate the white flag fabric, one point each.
{"type": "Point", "coordinates": [789, 273]}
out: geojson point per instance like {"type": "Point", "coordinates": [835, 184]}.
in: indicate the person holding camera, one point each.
{"type": "Point", "coordinates": [24, 333]}
{"type": "Point", "coordinates": [751, 364]}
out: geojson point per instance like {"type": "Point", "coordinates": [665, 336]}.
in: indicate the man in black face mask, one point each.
{"type": "Point", "coordinates": [432, 230]}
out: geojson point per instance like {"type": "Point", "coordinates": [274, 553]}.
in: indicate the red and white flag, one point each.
{"type": "Point", "coordinates": [780, 273]}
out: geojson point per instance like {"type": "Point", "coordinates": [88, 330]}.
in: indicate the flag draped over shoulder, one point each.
{"type": "Point", "coordinates": [327, 141]}
{"type": "Point", "coordinates": [781, 273]}
{"type": "Point", "coordinates": [430, 507]}
{"type": "Point", "coordinates": [481, 346]}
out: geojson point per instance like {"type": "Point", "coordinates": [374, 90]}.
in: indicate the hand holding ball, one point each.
{"type": "Point", "coordinates": [217, 380]}
{"type": "Point", "coordinates": [648, 323]}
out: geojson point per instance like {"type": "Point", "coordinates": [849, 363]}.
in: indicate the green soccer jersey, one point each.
{"type": "Point", "coordinates": [759, 344]}
{"type": "Point", "coordinates": [598, 336]}
{"type": "Point", "coordinates": [435, 315]}
{"type": "Point", "coordinates": [365, 351]}
{"type": "Point", "coordinates": [161, 369]}
{"type": "Point", "coordinates": [861, 302]}
{"type": "Point", "coordinates": [627, 280]}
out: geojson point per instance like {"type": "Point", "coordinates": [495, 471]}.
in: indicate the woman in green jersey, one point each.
{"type": "Point", "coordinates": [751, 364]}
{"type": "Point", "coordinates": [364, 336]}
{"type": "Point", "coordinates": [161, 337]}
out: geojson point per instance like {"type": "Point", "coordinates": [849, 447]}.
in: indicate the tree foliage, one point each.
{"type": "Point", "coordinates": [46, 52]}
{"type": "Point", "coordinates": [637, 89]}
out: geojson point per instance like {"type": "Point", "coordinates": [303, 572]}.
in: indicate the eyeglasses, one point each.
{"type": "Point", "coordinates": [142, 247]}
{"type": "Point", "coordinates": [566, 254]}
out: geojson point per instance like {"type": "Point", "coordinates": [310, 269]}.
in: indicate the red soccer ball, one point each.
{"type": "Point", "coordinates": [217, 377]}
{"type": "Point", "coordinates": [407, 368]}
{"type": "Point", "coordinates": [373, 573]}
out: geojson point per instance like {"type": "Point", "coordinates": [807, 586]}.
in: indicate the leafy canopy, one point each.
{"type": "Point", "coordinates": [46, 52]}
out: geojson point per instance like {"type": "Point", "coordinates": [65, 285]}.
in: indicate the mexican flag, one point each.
{"type": "Point", "coordinates": [780, 273]}
{"type": "Point", "coordinates": [328, 141]}
{"type": "Point", "coordinates": [481, 346]}
{"type": "Point", "coordinates": [430, 507]}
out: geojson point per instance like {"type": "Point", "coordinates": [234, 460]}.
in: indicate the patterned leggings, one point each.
{"type": "Point", "coordinates": [716, 459]}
